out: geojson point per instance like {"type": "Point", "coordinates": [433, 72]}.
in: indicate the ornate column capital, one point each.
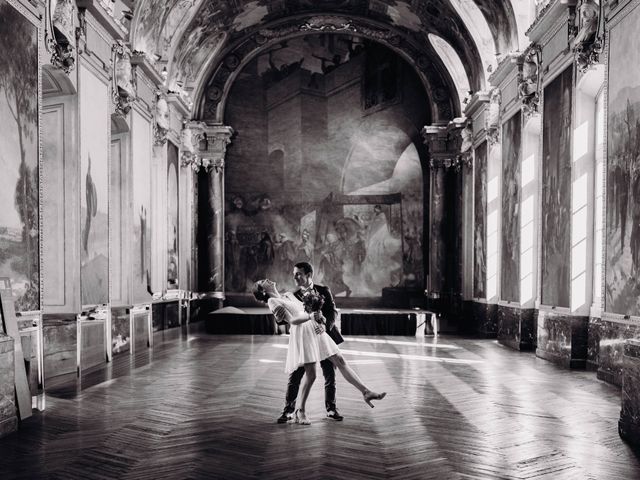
{"type": "Point", "coordinates": [216, 139]}
{"type": "Point", "coordinates": [190, 137]}
{"type": "Point", "coordinates": [449, 145]}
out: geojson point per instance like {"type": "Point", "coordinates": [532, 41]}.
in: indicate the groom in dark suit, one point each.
{"type": "Point", "coordinates": [303, 276]}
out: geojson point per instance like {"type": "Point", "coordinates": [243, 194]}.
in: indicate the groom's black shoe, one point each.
{"type": "Point", "coordinates": [334, 415]}
{"type": "Point", "coordinates": [285, 417]}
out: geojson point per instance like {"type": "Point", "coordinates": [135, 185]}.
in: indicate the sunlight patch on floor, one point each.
{"type": "Point", "coordinates": [401, 356]}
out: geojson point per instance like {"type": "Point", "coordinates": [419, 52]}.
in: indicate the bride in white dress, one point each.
{"type": "Point", "coordinates": [308, 344]}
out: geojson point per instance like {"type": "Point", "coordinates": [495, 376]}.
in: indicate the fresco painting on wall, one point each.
{"type": "Point", "coordinates": [141, 242]}
{"type": "Point", "coordinates": [480, 232]}
{"type": "Point", "coordinates": [556, 191]}
{"type": "Point", "coordinates": [94, 147]}
{"type": "Point", "coordinates": [172, 216]}
{"type": "Point", "coordinates": [511, 160]}
{"type": "Point", "coordinates": [342, 188]}
{"type": "Point", "coordinates": [622, 294]}
{"type": "Point", "coordinates": [19, 225]}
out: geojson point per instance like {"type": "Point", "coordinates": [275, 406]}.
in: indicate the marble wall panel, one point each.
{"type": "Point", "coordinates": [562, 339]}
{"type": "Point", "coordinates": [611, 349]}
{"type": "Point", "coordinates": [516, 327]}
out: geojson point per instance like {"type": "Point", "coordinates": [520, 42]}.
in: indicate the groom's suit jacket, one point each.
{"type": "Point", "coordinates": [328, 310]}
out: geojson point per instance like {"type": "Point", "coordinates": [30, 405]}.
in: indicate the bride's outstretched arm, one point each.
{"type": "Point", "coordinates": [284, 315]}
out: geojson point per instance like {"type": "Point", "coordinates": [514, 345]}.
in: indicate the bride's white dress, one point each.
{"type": "Point", "coordinates": [305, 345]}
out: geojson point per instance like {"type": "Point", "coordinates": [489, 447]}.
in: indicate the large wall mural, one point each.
{"type": "Point", "coordinates": [94, 211]}
{"type": "Point", "coordinates": [326, 168]}
{"type": "Point", "coordinates": [141, 242]}
{"type": "Point", "coordinates": [480, 229]}
{"type": "Point", "coordinates": [622, 294]}
{"type": "Point", "coordinates": [556, 191]}
{"type": "Point", "coordinates": [511, 160]}
{"type": "Point", "coordinates": [19, 225]}
{"type": "Point", "coordinates": [172, 216]}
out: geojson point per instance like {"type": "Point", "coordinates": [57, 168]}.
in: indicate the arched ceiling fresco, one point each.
{"type": "Point", "coordinates": [190, 37]}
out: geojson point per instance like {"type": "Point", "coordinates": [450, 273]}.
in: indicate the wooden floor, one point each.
{"type": "Point", "coordinates": [202, 406]}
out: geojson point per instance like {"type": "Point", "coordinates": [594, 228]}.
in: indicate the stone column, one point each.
{"type": "Point", "coordinates": [217, 137]}
{"type": "Point", "coordinates": [444, 284]}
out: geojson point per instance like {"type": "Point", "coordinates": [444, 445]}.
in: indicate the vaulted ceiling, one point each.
{"type": "Point", "coordinates": [193, 38]}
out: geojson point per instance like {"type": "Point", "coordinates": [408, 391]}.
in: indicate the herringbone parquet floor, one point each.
{"type": "Point", "coordinates": [202, 406]}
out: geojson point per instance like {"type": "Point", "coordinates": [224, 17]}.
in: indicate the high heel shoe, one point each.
{"type": "Point", "coordinates": [369, 395]}
{"type": "Point", "coordinates": [301, 417]}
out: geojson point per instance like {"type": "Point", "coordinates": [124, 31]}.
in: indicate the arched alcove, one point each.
{"type": "Point", "coordinates": [326, 166]}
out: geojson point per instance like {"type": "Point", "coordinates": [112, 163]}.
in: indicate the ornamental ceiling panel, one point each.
{"type": "Point", "coordinates": [187, 36]}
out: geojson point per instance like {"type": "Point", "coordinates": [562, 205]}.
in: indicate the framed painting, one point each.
{"type": "Point", "coordinates": [172, 216]}
{"type": "Point", "coordinates": [556, 191]}
{"type": "Point", "coordinates": [19, 155]}
{"type": "Point", "coordinates": [94, 187]}
{"type": "Point", "coordinates": [622, 241]}
{"type": "Point", "coordinates": [480, 224]}
{"type": "Point", "coordinates": [141, 241]}
{"type": "Point", "coordinates": [510, 239]}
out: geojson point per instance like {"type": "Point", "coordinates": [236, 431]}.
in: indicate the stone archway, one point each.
{"type": "Point", "coordinates": [211, 94]}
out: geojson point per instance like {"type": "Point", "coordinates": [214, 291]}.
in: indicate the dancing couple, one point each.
{"type": "Point", "coordinates": [313, 338]}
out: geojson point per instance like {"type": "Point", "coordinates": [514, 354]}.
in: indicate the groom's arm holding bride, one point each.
{"type": "Point", "coordinates": [329, 313]}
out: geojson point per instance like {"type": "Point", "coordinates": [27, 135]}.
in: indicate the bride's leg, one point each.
{"type": "Point", "coordinates": [309, 378]}
{"type": "Point", "coordinates": [347, 372]}
{"type": "Point", "coordinates": [352, 377]}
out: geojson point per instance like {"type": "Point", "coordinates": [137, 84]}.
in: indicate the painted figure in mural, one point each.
{"type": "Point", "coordinates": [332, 264]}
{"type": "Point", "coordinates": [91, 206]}
{"type": "Point", "coordinates": [266, 253]}
{"type": "Point", "coordinates": [382, 249]}
{"type": "Point", "coordinates": [622, 190]}
{"type": "Point", "coordinates": [305, 249]}
{"type": "Point", "coordinates": [285, 254]}
{"type": "Point", "coordinates": [232, 260]}
{"type": "Point", "coordinates": [310, 342]}
{"type": "Point", "coordinates": [329, 64]}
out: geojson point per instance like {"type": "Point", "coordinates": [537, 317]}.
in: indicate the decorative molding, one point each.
{"type": "Point", "coordinates": [504, 67]}
{"type": "Point", "coordinates": [124, 88]}
{"type": "Point", "coordinates": [529, 79]}
{"type": "Point", "coordinates": [492, 120]}
{"type": "Point", "coordinates": [140, 59]}
{"type": "Point", "coordinates": [476, 103]}
{"type": "Point", "coordinates": [161, 120]}
{"type": "Point", "coordinates": [212, 92]}
{"type": "Point", "coordinates": [588, 41]}
{"type": "Point", "coordinates": [449, 146]}
{"type": "Point", "coordinates": [190, 136]}
{"type": "Point", "coordinates": [104, 18]}
{"type": "Point", "coordinates": [546, 18]}
{"type": "Point", "coordinates": [60, 34]}
{"type": "Point", "coordinates": [328, 24]}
